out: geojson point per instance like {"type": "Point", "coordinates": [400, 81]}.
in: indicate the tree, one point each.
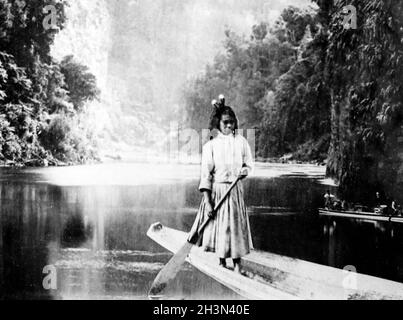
{"type": "Point", "coordinates": [35, 89]}
{"type": "Point", "coordinates": [79, 82]}
{"type": "Point", "coordinates": [364, 69]}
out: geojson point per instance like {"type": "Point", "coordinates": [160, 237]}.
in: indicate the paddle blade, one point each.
{"type": "Point", "coordinates": [170, 270]}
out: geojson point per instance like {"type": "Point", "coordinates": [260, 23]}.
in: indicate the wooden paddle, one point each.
{"type": "Point", "coordinates": [173, 266]}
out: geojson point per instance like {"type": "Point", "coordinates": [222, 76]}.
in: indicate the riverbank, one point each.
{"type": "Point", "coordinates": [43, 163]}
{"type": "Point", "coordinates": [136, 173]}
{"type": "Point", "coordinates": [129, 154]}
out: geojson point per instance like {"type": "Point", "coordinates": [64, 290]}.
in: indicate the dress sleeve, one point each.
{"type": "Point", "coordinates": [207, 168]}
{"type": "Point", "coordinates": [247, 157]}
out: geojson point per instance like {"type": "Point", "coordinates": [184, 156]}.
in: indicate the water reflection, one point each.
{"type": "Point", "coordinates": [374, 248]}
{"type": "Point", "coordinates": [95, 235]}
{"type": "Point", "coordinates": [96, 239]}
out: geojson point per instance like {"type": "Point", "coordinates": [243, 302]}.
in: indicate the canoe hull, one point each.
{"type": "Point", "coordinates": [207, 263]}
{"type": "Point", "coordinates": [360, 215]}
{"type": "Point", "coordinates": [275, 277]}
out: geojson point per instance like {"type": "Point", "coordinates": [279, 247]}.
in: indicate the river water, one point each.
{"type": "Point", "coordinates": [87, 226]}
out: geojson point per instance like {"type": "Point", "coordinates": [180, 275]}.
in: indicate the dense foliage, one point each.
{"type": "Point", "coordinates": [364, 69]}
{"type": "Point", "coordinates": [316, 89]}
{"type": "Point", "coordinates": [40, 99]}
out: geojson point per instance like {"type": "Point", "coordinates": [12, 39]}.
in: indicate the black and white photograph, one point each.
{"type": "Point", "coordinates": [226, 151]}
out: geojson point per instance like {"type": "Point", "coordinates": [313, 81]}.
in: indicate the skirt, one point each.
{"type": "Point", "coordinates": [228, 234]}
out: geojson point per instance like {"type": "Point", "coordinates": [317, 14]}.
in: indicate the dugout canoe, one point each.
{"type": "Point", "coordinates": [274, 277]}
{"type": "Point", "coordinates": [360, 215]}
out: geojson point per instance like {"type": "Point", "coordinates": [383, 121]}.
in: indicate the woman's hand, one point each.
{"type": "Point", "coordinates": [210, 209]}
{"type": "Point", "coordinates": [243, 173]}
{"type": "Point", "coordinates": [209, 203]}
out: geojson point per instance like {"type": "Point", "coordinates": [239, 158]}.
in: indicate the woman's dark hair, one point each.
{"type": "Point", "coordinates": [217, 114]}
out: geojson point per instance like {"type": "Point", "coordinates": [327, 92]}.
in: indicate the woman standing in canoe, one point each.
{"type": "Point", "coordinates": [224, 158]}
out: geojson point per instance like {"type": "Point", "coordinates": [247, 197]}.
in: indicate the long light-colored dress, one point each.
{"type": "Point", "coordinates": [228, 235]}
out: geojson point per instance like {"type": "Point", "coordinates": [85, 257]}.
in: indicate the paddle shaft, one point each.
{"type": "Point", "coordinates": [193, 238]}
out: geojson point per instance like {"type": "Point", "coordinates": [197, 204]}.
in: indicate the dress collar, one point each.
{"type": "Point", "coordinates": [223, 136]}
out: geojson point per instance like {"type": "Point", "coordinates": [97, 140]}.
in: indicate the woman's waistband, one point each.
{"type": "Point", "coordinates": [223, 182]}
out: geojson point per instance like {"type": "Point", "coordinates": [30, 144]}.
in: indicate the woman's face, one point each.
{"type": "Point", "coordinates": [227, 124]}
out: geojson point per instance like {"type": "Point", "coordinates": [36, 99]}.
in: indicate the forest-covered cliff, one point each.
{"type": "Point", "coordinates": [315, 88]}
{"type": "Point", "coordinates": [364, 70]}
{"type": "Point", "coordinates": [143, 53]}
{"type": "Point", "coordinates": [41, 99]}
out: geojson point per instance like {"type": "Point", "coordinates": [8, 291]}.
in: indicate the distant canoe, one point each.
{"type": "Point", "coordinates": [275, 277]}
{"type": "Point", "coordinates": [360, 215]}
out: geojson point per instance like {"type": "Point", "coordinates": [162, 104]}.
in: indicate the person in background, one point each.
{"type": "Point", "coordinates": [329, 200]}
{"type": "Point", "coordinates": [394, 207]}
{"type": "Point", "coordinates": [378, 200]}
{"type": "Point", "coordinates": [399, 210]}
